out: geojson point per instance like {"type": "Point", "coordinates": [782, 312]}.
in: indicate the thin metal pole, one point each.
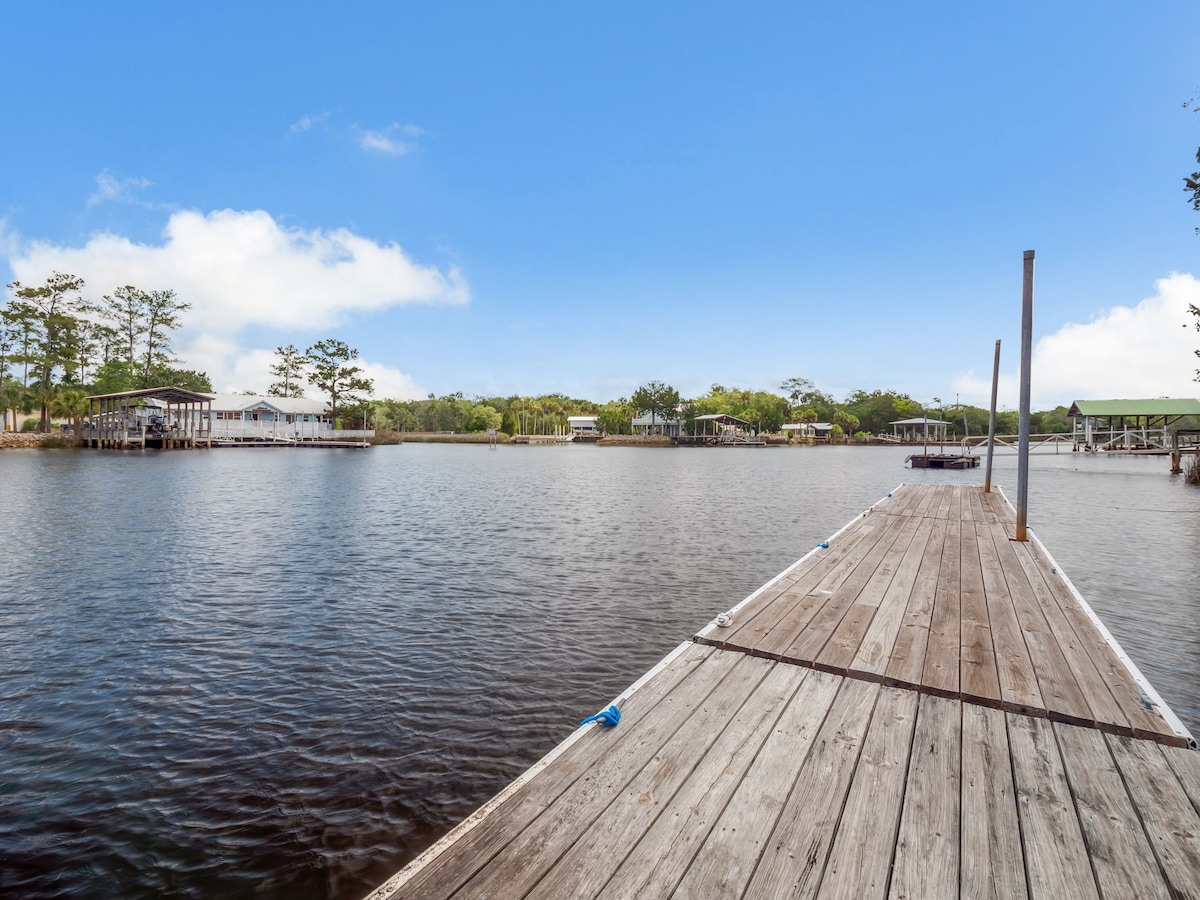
{"type": "Point", "coordinates": [987, 475]}
{"type": "Point", "coordinates": [1026, 365]}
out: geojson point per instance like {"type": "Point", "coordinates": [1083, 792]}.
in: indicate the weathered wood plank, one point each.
{"type": "Point", "coordinates": [907, 660]}
{"type": "Point", "coordinates": [1056, 857]}
{"type": "Point", "coordinates": [945, 502]}
{"type": "Point", "coordinates": [978, 674]}
{"type": "Point", "coordinates": [527, 855]}
{"type": "Point", "coordinates": [783, 616]}
{"type": "Point", "coordinates": [1186, 766]}
{"type": "Point", "coordinates": [902, 502]}
{"type": "Point", "coordinates": [727, 859]}
{"type": "Point", "coordinates": [941, 670]}
{"type": "Point", "coordinates": [660, 859]}
{"type": "Point", "coordinates": [874, 650]}
{"type": "Point", "coordinates": [793, 859]}
{"type": "Point", "coordinates": [927, 846]}
{"type": "Point", "coordinates": [1166, 811]}
{"type": "Point", "coordinates": [584, 868]}
{"type": "Point", "coordinates": [993, 866]}
{"type": "Point", "coordinates": [925, 503]}
{"type": "Point", "coordinates": [860, 862]}
{"type": "Point", "coordinates": [806, 646]}
{"type": "Point", "coordinates": [1143, 722]}
{"type": "Point", "coordinates": [843, 645]}
{"type": "Point", "coordinates": [573, 789]}
{"type": "Point", "coordinates": [1019, 688]}
{"type": "Point", "coordinates": [1063, 685]}
{"type": "Point", "coordinates": [1120, 855]}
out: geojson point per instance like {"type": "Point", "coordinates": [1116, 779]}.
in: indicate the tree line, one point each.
{"type": "Point", "coordinates": [57, 347]}
{"type": "Point", "coordinates": [798, 401]}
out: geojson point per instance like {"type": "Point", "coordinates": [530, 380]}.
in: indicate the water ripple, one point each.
{"type": "Point", "coordinates": [276, 674]}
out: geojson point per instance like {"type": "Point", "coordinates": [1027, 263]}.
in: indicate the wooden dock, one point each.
{"type": "Point", "coordinates": [922, 709]}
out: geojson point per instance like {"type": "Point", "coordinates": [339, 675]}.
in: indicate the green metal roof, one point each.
{"type": "Point", "coordinates": [1163, 406]}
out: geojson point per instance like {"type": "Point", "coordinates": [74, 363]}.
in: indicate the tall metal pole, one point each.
{"type": "Point", "coordinates": [987, 474]}
{"type": "Point", "coordinates": [1026, 365]}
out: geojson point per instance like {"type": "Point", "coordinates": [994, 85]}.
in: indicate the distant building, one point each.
{"type": "Point", "coordinates": [1129, 424]}
{"type": "Point", "coordinates": [582, 424]}
{"type": "Point", "coordinates": [809, 429]}
{"type": "Point", "coordinates": [246, 417]}
{"type": "Point", "coordinates": [643, 425]}
{"type": "Point", "coordinates": [914, 431]}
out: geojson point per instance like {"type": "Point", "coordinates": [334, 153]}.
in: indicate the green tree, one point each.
{"type": "Point", "coordinates": [70, 403]}
{"type": "Point", "coordinates": [508, 424]}
{"type": "Point", "coordinates": [142, 322]}
{"type": "Point", "coordinates": [332, 374]}
{"type": "Point", "coordinates": [49, 314]}
{"type": "Point", "coordinates": [1191, 183]}
{"type": "Point", "coordinates": [846, 420]}
{"type": "Point", "coordinates": [876, 410]}
{"type": "Point", "coordinates": [656, 398]}
{"type": "Point", "coordinates": [289, 369]}
{"type": "Point", "coordinates": [163, 310]}
{"type": "Point", "coordinates": [1195, 311]}
{"type": "Point", "coordinates": [483, 418]}
{"type": "Point", "coordinates": [798, 390]}
{"type": "Point", "coordinates": [616, 417]}
{"type": "Point", "coordinates": [16, 400]}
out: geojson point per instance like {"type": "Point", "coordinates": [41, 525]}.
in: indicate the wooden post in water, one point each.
{"type": "Point", "coordinates": [1026, 365]}
{"type": "Point", "coordinates": [987, 474]}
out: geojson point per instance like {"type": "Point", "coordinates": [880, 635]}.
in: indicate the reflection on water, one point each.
{"type": "Point", "coordinates": [283, 674]}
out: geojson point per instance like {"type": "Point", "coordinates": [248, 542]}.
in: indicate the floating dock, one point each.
{"type": "Point", "coordinates": [943, 461]}
{"type": "Point", "coordinates": [919, 708]}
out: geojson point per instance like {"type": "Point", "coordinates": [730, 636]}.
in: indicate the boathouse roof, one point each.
{"type": "Point", "coordinates": [920, 420]}
{"type": "Point", "coordinates": [722, 419]}
{"type": "Point", "coordinates": [172, 395]}
{"type": "Point", "coordinates": [1161, 406]}
{"type": "Point", "coordinates": [235, 402]}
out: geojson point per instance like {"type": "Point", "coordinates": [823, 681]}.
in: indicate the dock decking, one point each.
{"type": "Point", "coordinates": [922, 709]}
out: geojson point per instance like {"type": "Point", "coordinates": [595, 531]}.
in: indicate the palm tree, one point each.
{"type": "Point", "coordinates": [16, 399]}
{"type": "Point", "coordinates": [70, 403]}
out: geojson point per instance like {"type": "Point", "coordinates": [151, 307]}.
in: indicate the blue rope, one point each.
{"type": "Point", "coordinates": [606, 717]}
{"type": "Point", "coordinates": [824, 545]}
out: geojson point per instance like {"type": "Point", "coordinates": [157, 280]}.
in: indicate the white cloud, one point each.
{"type": "Point", "coordinates": [1123, 353]}
{"type": "Point", "coordinates": [395, 140]}
{"type": "Point", "coordinates": [122, 190]}
{"type": "Point", "coordinates": [389, 382]}
{"type": "Point", "coordinates": [308, 122]}
{"type": "Point", "coordinates": [241, 270]}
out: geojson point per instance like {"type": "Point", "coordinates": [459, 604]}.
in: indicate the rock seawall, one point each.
{"type": "Point", "coordinates": [31, 440]}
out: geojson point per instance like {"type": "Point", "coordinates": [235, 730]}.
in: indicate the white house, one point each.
{"type": "Point", "coordinates": [245, 417]}
{"type": "Point", "coordinates": [581, 424]}
{"type": "Point", "coordinates": [809, 429]}
{"type": "Point", "coordinates": [645, 424]}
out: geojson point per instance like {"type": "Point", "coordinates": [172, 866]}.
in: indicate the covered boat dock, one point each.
{"type": "Point", "coordinates": [1129, 425]}
{"type": "Point", "coordinates": [162, 417]}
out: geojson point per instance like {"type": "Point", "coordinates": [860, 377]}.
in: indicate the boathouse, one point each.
{"type": "Point", "coordinates": [1129, 424]}
{"type": "Point", "coordinates": [162, 417]}
{"type": "Point", "coordinates": [582, 424]}
{"type": "Point", "coordinates": [644, 424]}
{"type": "Point", "coordinates": [914, 431]}
{"type": "Point", "coordinates": [818, 430]}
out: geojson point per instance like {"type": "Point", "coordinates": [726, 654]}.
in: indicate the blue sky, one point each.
{"type": "Point", "coordinates": [523, 198]}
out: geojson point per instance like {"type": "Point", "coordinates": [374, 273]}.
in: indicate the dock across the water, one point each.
{"type": "Point", "coordinates": [919, 708]}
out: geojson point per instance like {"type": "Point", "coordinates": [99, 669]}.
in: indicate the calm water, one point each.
{"type": "Point", "coordinates": [275, 673]}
